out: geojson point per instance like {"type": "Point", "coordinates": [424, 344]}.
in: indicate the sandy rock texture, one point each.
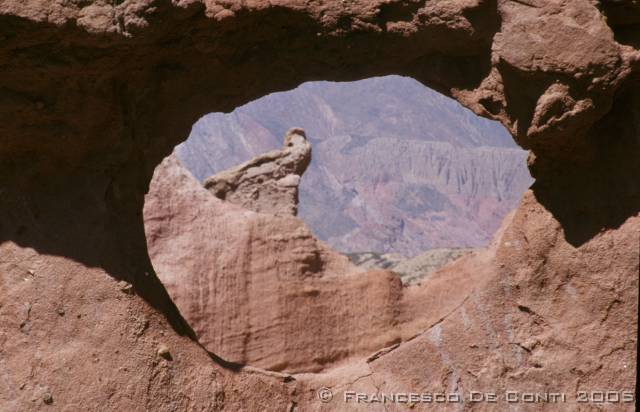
{"type": "Point", "coordinates": [267, 183]}
{"type": "Point", "coordinates": [518, 316]}
{"type": "Point", "coordinates": [93, 95]}
{"type": "Point", "coordinates": [534, 323]}
{"type": "Point", "coordinates": [265, 292]}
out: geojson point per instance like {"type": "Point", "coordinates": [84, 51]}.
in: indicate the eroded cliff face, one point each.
{"type": "Point", "coordinates": [545, 317]}
{"type": "Point", "coordinates": [397, 167]}
{"type": "Point", "coordinates": [257, 288]}
{"type": "Point", "coordinates": [94, 95]}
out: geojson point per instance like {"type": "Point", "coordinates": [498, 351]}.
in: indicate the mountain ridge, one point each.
{"type": "Point", "coordinates": [396, 167]}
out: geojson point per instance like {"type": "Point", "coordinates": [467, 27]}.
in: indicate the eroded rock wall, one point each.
{"type": "Point", "coordinates": [259, 289]}
{"type": "Point", "coordinates": [530, 313]}
{"type": "Point", "coordinates": [546, 317]}
{"type": "Point", "coordinates": [94, 94]}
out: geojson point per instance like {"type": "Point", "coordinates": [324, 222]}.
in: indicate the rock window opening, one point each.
{"type": "Point", "coordinates": [278, 253]}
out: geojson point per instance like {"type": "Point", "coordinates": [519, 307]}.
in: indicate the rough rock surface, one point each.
{"type": "Point", "coordinates": [266, 292]}
{"type": "Point", "coordinates": [267, 183]}
{"type": "Point", "coordinates": [546, 317]}
{"type": "Point", "coordinates": [93, 95]}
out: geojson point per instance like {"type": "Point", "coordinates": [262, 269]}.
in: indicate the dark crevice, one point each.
{"type": "Point", "coordinates": [624, 19]}
{"type": "Point", "coordinates": [598, 191]}
{"type": "Point", "coordinates": [398, 11]}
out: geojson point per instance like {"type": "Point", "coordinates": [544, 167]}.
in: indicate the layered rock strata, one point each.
{"type": "Point", "coordinates": [266, 292]}
{"type": "Point", "coordinates": [93, 95]}
{"type": "Point", "coordinates": [398, 167]}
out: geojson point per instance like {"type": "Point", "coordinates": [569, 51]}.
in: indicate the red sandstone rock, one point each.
{"type": "Point", "coordinates": [265, 292]}
{"type": "Point", "coordinates": [267, 183]}
{"type": "Point", "coordinates": [546, 317]}
{"type": "Point", "coordinates": [94, 95]}
{"type": "Point", "coordinates": [479, 330]}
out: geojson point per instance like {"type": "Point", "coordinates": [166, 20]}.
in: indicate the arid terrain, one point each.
{"type": "Point", "coordinates": [396, 167]}
{"type": "Point", "coordinates": [261, 292]}
{"type": "Point", "coordinates": [95, 96]}
{"type": "Point", "coordinates": [411, 270]}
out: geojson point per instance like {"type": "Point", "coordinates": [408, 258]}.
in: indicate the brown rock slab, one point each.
{"type": "Point", "coordinates": [267, 183]}
{"type": "Point", "coordinates": [119, 90]}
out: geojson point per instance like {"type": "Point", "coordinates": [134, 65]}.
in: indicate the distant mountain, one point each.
{"type": "Point", "coordinates": [396, 166]}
